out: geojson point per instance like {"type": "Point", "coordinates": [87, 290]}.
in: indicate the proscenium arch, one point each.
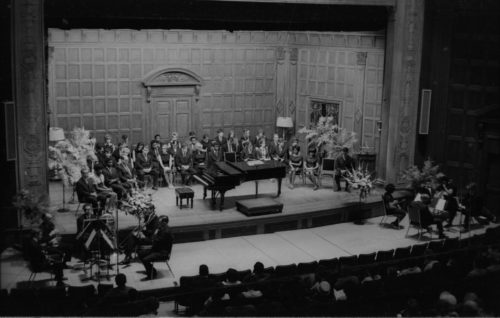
{"type": "Point", "coordinates": [165, 77]}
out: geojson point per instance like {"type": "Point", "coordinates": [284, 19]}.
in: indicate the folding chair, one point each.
{"type": "Point", "coordinates": [414, 216]}
{"type": "Point", "coordinates": [327, 168]}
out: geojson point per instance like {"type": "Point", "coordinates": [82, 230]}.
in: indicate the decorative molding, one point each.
{"type": "Point", "coordinates": [30, 95]}
{"type": "Point", "coordinates": [171, 77]}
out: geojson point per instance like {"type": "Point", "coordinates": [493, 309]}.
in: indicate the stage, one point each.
{"type": "Point", "coordinates": [302, 208]}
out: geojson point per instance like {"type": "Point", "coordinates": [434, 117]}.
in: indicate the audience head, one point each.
{"type": "Point", "coordinates": [390, 188]}
{"type": "Point", "coordinates": [157, 138]}
{"type": "Point", "coordinates": [164, 148]}
{"type": "Point", "coordinates": [232, 275]}
{"type": "Point", "coordinates": [258, 268]}
{"type": "Point", "coordinates": [203, 271]}
{"type": "Point", "coordinates": [322, 288]}
{"type": "Point", "coordinates": [220, 132]}
{"type": "Point", "coordinates": [85, 172]}
{"type": "Point", "coordinates": [99, 147]}
{"type": "Point", "coordinates": [426, 199]}
{"type": "Point", "coordinates": [107, 139]}
{"type": "Point", "coordinates": [139, 147]}
{"type": "Point", "coordinates": [145, 149]}
{"type": "Point", "coordinates": [108, 152]}
{"type": "Point", "coordinates": [205, 137]}
{"type": "Point", "coordinates": [98, 169]}
{"type": "Point", "coordinates": [120, 280]}
{"type": "Point", "coordinates": [192, 139]}
{"type": "Point", "coordinates": [124, 139]}
{"type": "Point", "coordinates": [276, 138]}
{"type": "Point", "coordinates": [184, 145]}
{"type": "Point", "coordinates": [296, 150]}
{"type": "Point", "coordinates": [246, 133]}
{"type": "Point", "coordinates": [87, 208]}
{"type": "Point", "coordinates": [164, 219]}
{"type": "Point", "coordinates": [345, 150]}
{"type": "Point", "coordinates": [175, 135]}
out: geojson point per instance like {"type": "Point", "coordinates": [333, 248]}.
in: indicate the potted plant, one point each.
{"type": "Point", "coordinates": [330, 137]}
{"type": "Point", "coordinates": [426, 176]}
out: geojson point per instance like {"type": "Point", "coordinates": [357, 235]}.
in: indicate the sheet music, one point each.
{"type": "Point", "coordinates": [90, 239]}
{"type": "Point", "coordinates": [252, 163]}
{"type": "Point", "coordinates": [440, 204]}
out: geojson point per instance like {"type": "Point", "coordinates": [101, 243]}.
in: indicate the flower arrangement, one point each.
{"type": "Point", "coordinates": [330, 136]}
{"type": "Point", "coordinates": [32, 206]}
{"type": "Point", "coordinates": [425, 176]}
{"type": "Point", "coordinates": [360, 178]}
{"type": "Point", "coordinates": [70, 156]}
{"type": "Point", "coordinates": [138, 204]}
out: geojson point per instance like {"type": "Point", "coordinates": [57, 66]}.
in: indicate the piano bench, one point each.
{"type": "Point", "coordinates": [184, 193]}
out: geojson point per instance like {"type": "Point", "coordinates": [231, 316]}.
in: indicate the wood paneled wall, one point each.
{"type": "Point", "coordinates": [95, 77]}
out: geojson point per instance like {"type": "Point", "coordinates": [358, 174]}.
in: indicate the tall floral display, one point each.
{"type": "Point", "coordinates": [330, 136]}
{"type": "Point", "coordinates": [360, 179]}
{"type": "Point", "coordinates": [69, 156]}
{"type": "Point", "coordinates": [427, 176]}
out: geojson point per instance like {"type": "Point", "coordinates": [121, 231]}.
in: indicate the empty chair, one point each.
{"type": "Point", "coordinates": [415, 222]}
{"type": "Point", "coordinates": [348, 261]}
{"type": "Point", "coordinates": [418, 250]}
{"type": "Point", "coordinates": [306, 268]}
{"type": "Point", "coordinates": [330, 264]}
{"type": "Point", "coordinates": [384, 256]}
{"type": "Point", "coordinates": [451, 244]}
{"type": "Point", "coordinates": [364, 259]}
{"type": "Point", "coordinates": [435, 246]}
{"type": "Point", "coordinates": [402, 252]}
{"type": "Point", "coordinates": [285, 270]}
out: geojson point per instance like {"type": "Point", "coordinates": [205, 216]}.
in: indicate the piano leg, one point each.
{"type": "Point", "coordinates": [256, 188]}
{"type": "Point", "coordinates": [214, 202]}
{"type": "Point", "coordinates": [221, 203]}
{"type": "Point", "coordinates": [204, 193]}
{"type": "Point", "coordinates": [279, 187]}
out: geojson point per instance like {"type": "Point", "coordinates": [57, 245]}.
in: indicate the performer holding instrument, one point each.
{"type": "Point", "coordinates": [447, 191]}
{"type": "Point", "coordinates": [141, 235]}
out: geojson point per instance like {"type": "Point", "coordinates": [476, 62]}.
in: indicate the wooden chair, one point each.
{"type": "Point", "coordinates": [327, 168]}
{"type": "Point", "coordinates": [414, 216]}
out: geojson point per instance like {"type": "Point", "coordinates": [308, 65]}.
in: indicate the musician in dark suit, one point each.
{"type": "Point", "coordinates": [273, 146]}
{"type": "Point", "coordinates": [160, 249]}
{"type": "Point", "coordinates": [126, 172]}
{"type": "Point", "coordinates": [205, 142]}
{"type": "Point", "coordinates": [393, 206]}
{"type": "Point", "coordinates": [112, 180]}
{"type": "Point", "coordinates": [184, 164]}
{"type": "Point", "coordinates": [82, 237]}
{"type": "Point", "coordinates": [260, 135]}
{"type": "Point", "coordinates": [343, 163]}
{"type": "Point", "coordinates": [220, 139]}
{"type": "Point", "coordinates": [142, 235]}
{"type": "Point", "coordinates": [87, 192]}
{"type": "Point", "coordinates": [248, 152]}
{"type": "Point", "coordinates": [144, 166]}
{"type": "Point", "coordinates": [427, 218]}
{"type": "Point", "coordinates": [245, 139]}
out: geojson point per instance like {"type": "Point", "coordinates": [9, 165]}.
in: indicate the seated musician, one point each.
{"type": "Point", "coordinates": [248, 152]}
{"type": "Point", "coordinates": [245, 139]}
{"type": "Point", "coordinates": [273, 146]}
{"type": "Point", "coordinates": [184, 164]}
{"type": "Point", "coordinates": [448, 192]}
{"type": "Point", "coordinates": [87, 191]}
{"type": "Point", "coordinates": [427, 217]}
{"type": "Point", "coordinates": [166, 162]}
{"type": "Point", "coordinates": [393, 206]}
{"type": "Point", "coordinates": [112, 180]}
{"type": "Point", "coordinates": [126, 172]}
{"type": "Point", "coordinates": [156, 140]}
{"type": "Point", "coordinates": [473, 206]}
{"type": "Point", "coordinates": [231, 145]}
{"type": "Point", "coordinates": [50, 239]}
{"type": "Point", "coordinates": [80, 226]}
{"type": "Point", "coordinates": [261, 152]}
{"type": "Point", "coordinates": [311, 169]}
{"type": "Point", "coordinates": [213, 156]}
{"type": "Point", "coordinates": [343, 163]}
{"type": "Point", "coordinates": [144, 166]}
{"type": "Point", "coordinates": [296, 163]}
{"type": "Point", "coordinates": [160, 249]}
{"type": "Point", "coordinates": [199, 155]}
{"type": "Point", "coordinates": [142, 235]}
{"type": "Point", "coordinates": [40, 259]}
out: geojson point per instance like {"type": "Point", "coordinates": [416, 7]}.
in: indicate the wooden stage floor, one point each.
{"type": "Point", "coordinates": [298, 201]}
{"type": "Point", "coordinates": [279, 248]}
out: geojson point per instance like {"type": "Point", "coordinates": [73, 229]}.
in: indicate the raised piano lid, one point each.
{"type": "Point", "coordinates": [227, 169]}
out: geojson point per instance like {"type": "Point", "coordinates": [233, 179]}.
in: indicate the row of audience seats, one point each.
{"type": "Point", "coordinates": [67, 301]}
{"type": "Point", "coordinates": [378, 297]}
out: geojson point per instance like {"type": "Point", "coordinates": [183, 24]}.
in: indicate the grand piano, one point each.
{"type": "Point", "coordinates": [227, 175]}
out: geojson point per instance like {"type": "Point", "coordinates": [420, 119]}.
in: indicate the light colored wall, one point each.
{"type": "Point", "coordinates": [95, 77]}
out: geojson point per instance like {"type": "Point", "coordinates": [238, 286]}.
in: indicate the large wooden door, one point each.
{"type": "Point", "coordinates": [171, 114]}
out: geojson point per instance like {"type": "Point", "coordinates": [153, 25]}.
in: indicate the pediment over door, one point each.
{"type": "Point", "coordinates": [161, 82]}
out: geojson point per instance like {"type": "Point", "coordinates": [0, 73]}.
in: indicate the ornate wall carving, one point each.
{"type": "Point", "coordinates": [30, 95]}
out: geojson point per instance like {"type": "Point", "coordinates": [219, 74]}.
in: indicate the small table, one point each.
{"type": "Point", "coordinates": [183, 193]}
